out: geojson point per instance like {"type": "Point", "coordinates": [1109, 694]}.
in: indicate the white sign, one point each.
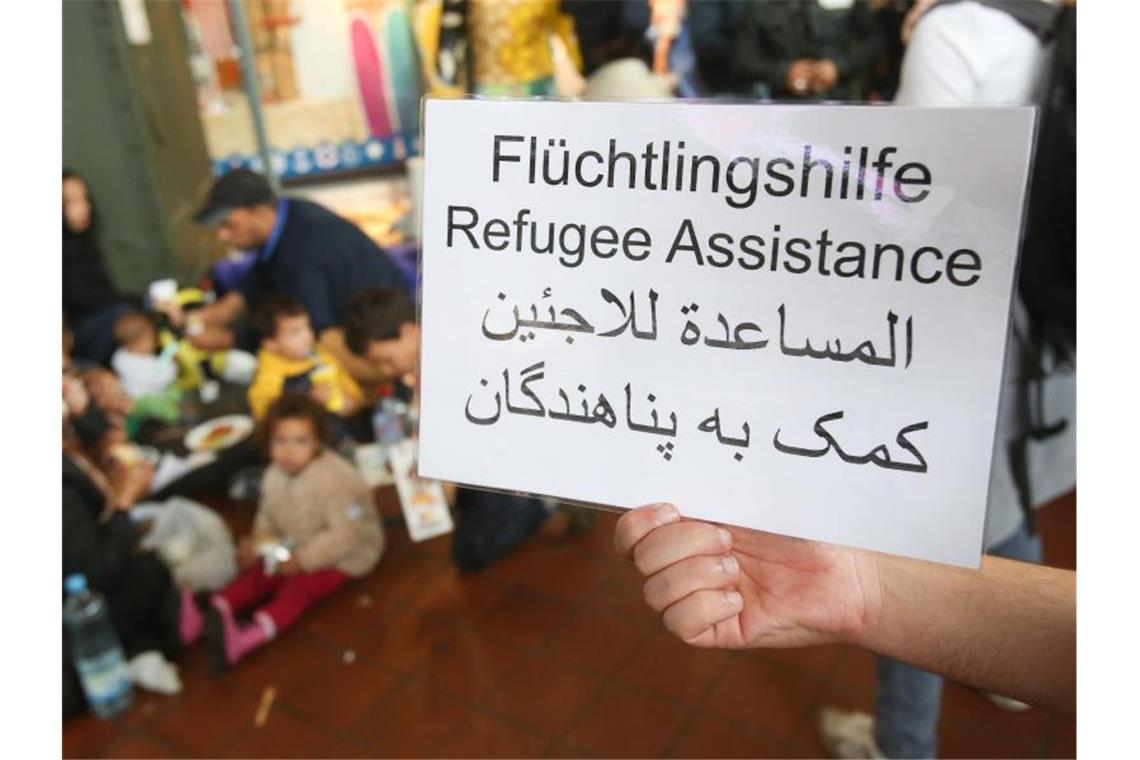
{"type": "Point", "coordinates": [790, 318]}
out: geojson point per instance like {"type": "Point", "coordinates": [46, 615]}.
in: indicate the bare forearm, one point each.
{"type": "Point", "coordinates": [1009, 627]}
{"type": "Point", "coordinates": [363, 371]}
{"type": "Point", "coordinates": [211, 338]}
{"type": "Point", "coordinates": [222, 312]}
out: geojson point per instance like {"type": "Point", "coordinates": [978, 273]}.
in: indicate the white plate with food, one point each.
{"type": "Point", "coordinates": [219, 433]}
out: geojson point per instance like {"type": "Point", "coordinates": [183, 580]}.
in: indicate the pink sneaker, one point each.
{"type": "Point", "coordinates": [189, 619]}
{"type": "Point", "coordinates": [229, 640]}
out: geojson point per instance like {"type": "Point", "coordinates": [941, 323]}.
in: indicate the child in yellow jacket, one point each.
{"type": "Point", "coordinates": [290, 361]}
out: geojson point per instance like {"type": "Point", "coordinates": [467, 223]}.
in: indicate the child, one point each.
{"type": "Point", "coordinates": [138, 363]}
{"type": "Point", "coordinates": [290, 362]}
{"type": "Point", "coordinates": [380, 328]}
{"type": "Point", "coordinates": [313, 502]}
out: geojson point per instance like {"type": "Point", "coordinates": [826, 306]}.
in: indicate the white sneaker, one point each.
{"type": "Point", "coordinates": [1009, 704]}
{"type": "Point", "coordinates": [151, 672]}
{"type": "Point", "coordinates": [848, 734]}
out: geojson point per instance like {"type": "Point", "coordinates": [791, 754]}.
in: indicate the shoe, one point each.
{"type": "Point", "coordinates": [190, 620]}
{"type": "Point", "coordinates": [151, 672]}
{"type": "Point", "coordinates": [230, 640]}
{"type": "Point", "coordinates": [848, 734]}
{"type": "Point", "coordinates": [1009, 704]}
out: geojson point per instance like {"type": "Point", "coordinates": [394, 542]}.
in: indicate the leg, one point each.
{"type": "Point", "coordinates": [230, 640]}
{"type": "Point", "coordinates": [492, 524]}
{"type": "Point", "coordinates": [298, 593]}
{"type": "Point", "coordinates": [906, 710]}
{"type": "Point", "coordinates": [249, 588]}
{"type": "Point", "coordinates": [143, 607]}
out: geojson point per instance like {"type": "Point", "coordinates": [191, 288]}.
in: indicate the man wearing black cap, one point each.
{"type": "Point", "coordinates": [302, 250]}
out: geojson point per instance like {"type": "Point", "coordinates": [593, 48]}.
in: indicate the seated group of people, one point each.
{"type": "Point", "coordinates": [332, 323]}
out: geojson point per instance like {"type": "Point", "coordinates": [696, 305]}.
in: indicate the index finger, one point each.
{"type": "Point", "coordinates": [636, 524]}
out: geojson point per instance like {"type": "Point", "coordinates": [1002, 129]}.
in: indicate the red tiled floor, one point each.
{"type": "Point", "coordinates": [690, 673]}
{"type": "Point", "coordinates": [87, 736]}
{"type": "Point", "coordinates": [453, 598]}
{"type": "Point", "coordinates": [552, 653]}
{"type": "Point", "coordinates": [340, 695]}
{"type": "Point", "coordinates": [710, 736]}
{"type": "Point", "coordinates": [544, 695]}
{"type": "Point", "coordinates": [413, 721]}
{"type": "Point", "coordinates": [204, 719]}
{"type": "Point", "coordinates": [349, 620]}
{"type": "Point", "coordinates": [285, 735]}
{"type": "Point", "coordinates": [554, 570]}
{"type": "Point", "coordinates": [1057, 522]}
{"type": "Point", "coordinates": [523, 617]}
{"type": "Point", "coordinates": [565, 748]}
{"type": "Point", "coordinates": [470, 665]}
{"type": "Point", "coordinates": [485, 736]}
{"type": "Point", "coordinates": [820, 660]}
{"type": "Point", "coordinates": [303, 651]}
{"type": "Point", "coordinates": [1063, 740]}
{"type": "Point", "coordinates": [625, 723]}
{"type": "Point", "coordinates": [594, 640]}
{"type": "Point", "coordinates": [401, 641]}
{"type": "Point", "coordinates": [762, 695]}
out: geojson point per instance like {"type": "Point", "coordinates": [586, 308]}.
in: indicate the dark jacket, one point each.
{"type": "Point", "coordinates": [774, 34]}
{"type": "Point", "coordinates": [322, 260]}
{"type": "Point", "coordinates": [87, 287]}
{"type": "Point", "coordinates": [98, 549]}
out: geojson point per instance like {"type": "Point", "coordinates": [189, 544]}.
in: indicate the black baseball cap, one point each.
{"type": "Point", "coordinates": [237, 188]}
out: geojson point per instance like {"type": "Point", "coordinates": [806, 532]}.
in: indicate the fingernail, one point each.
{"type": "Point", "coordinates": [729, 565]}
{"type": "Point", "coordinates": [666, 513]}
{"type": "Point", "coordinates": [733, 599]}
{"type": "Point", "coordinates": [725, 537]}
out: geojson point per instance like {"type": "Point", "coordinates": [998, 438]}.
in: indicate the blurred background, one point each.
{"type": "Point", "coordinates": [541, 645]}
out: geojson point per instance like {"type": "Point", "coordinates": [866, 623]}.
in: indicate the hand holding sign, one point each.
{"type": "Point", "coordinates": [734, 588]}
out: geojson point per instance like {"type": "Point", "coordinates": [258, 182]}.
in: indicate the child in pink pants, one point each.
{"type": "Point", "coordinates": [312, 501]}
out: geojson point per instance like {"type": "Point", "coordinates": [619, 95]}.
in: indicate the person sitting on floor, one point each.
{"type": "Point", "coordinates": [316, 520]}
{"type": "Point", "coordinates": [290, 362]}
{"type": "Point", "coordinates": [137, 361]}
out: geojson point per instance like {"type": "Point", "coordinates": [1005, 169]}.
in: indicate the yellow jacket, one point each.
{"type": "Point", "coordinates": [276, 374]}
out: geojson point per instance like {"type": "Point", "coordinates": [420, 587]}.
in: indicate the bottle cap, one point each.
{"type": "Point", "coordinates": [75, 584]}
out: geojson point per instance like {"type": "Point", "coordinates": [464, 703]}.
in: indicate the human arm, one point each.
{"type": "Point", "coordinates": [1008, 627]}
{"type": "Point", "coordinates": [208, 328]}
{"type": "Point", "coordinates": [265, 389]}
{"type": "Point", "coordinates": [363, 371]}
{"type": "Point", "coordinates": [130, 482]}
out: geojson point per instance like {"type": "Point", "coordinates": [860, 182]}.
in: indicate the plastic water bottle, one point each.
{"type": "Point", "coordinates": [388, 420]}
{"type": "Point", "coordinates": [95, 649]}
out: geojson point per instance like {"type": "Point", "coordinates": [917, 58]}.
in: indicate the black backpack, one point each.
{"type": "Point", "coordinates": [1048, 276]}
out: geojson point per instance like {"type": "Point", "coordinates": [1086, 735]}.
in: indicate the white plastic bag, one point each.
{"type": "Point", "coordinates": [192, 540]}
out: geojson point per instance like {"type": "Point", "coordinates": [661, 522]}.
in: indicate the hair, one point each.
{"type": "Point", "coordinates": [271, 309]}
{"type": "Point", "coordinates": [296, 406]}
{"type": "Point", "coordinates": [376, 314]}
{"type": "Point", "coordinates": [131, 326]}
{"type": "Point", "coordinates": [90, 231]}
